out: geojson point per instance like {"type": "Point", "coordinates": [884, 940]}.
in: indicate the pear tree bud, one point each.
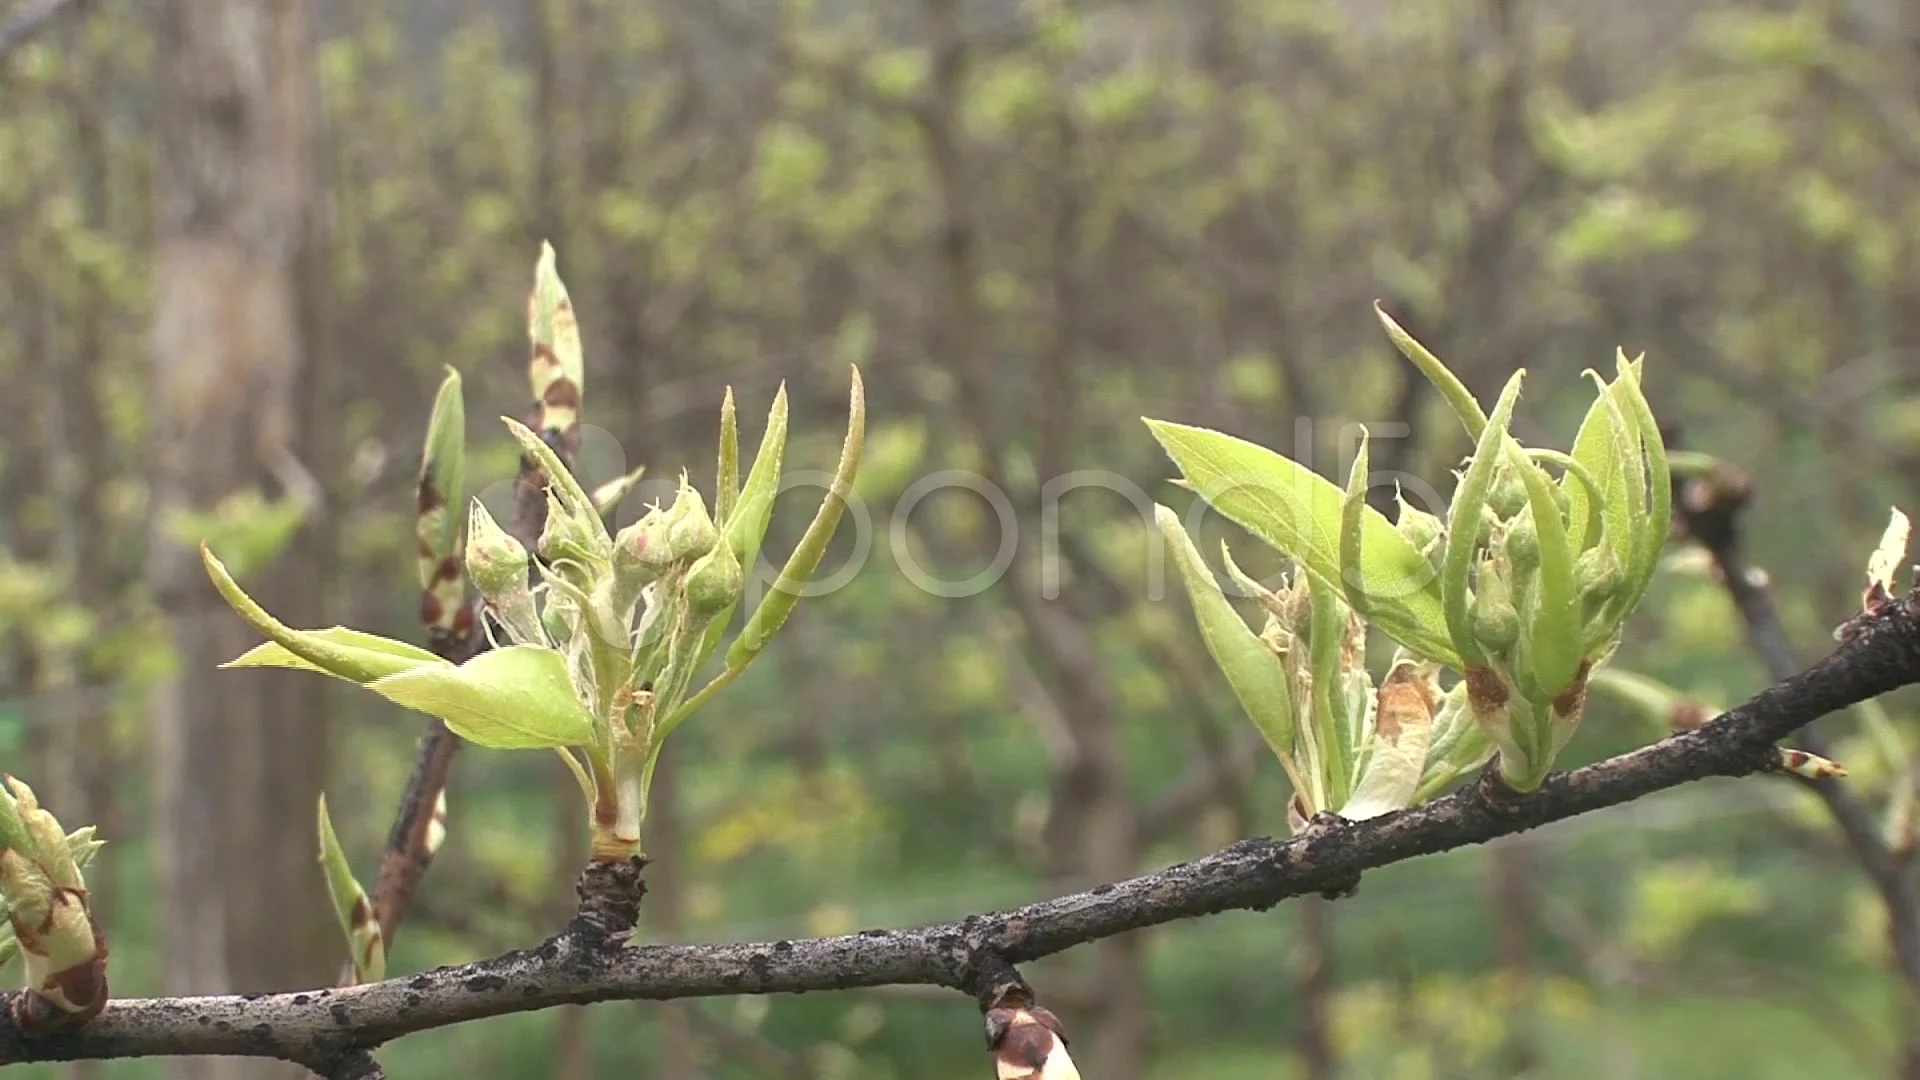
{"type": "Point", "coordinates": [568, 537]}
{"type": "Point", "coordinates": [1508, 495]}
{"type": "Point", "coordinates": [1421, 529]}
{"type": "Point", "coordinates": [498, 565]}
{"type": "Point", "coordinates": [1597, 574]}
{"type": "Point", "coordinates": [714, 581]}
{"type": "Point", "coordinates": [1522, 545]}
{"type": "Point", "coordinates": [1495, 622]}
{"type": "Point", "coordinates": [690, 531]}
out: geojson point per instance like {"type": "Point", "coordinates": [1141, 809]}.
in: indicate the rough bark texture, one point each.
{"type": "Point", "coordinates": [333, 1029]}
{"type": "Point", "coordinates": [239, 759]}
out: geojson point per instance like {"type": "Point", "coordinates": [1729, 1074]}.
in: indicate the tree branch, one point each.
{"type": "Point", "coordinates": [321, 1029]}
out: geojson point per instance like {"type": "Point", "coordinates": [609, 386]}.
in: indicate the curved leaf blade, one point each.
{"type": "Point", "coordinates": [516, 698]}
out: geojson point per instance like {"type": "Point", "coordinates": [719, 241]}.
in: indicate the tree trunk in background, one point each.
{"type": "Point", "coordinates": [1514, 866]}
{"type": "Point", "coordinates": [239, 755]}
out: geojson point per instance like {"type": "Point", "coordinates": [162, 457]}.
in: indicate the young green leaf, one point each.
{"type": "Point", "coordinates": [608, 495]}
{"type": "Point", "coordinates": [772, 613]}
{"type": "Point", "coordinates": [1326, 652]}
{"type": "Point", "coordinates": [516, 698]}
{"type": "Point", "coordinates": [1257, 676]}
{"type": "Point", "coordinates": [346, 654]}
{"type": "Point", "coordinates": [350, 905]}
{"type": "Point", "coordinates": [561, 483]}
{"type": "Point", "coordinates": [1606, 447]}
{"type": "Point", "coordinates": [1463, 525]}
{"type": "Point", "coordinates": [726, 489]}
{"type": "Point", "coordinates": [1458, 397]}
{"type": "Point", "coordinates": [1299, 513]}
{"type": "Point", "coordinates": [274, 655]}
{"type": "Point", "coordinates": [1555, 636]}
{"type": "Point", "coordinates": [1658, 483]}
{"type": "Point", "coordinates": [1353, 532]}
{"type": "Point", "coordinates": [746, 526]}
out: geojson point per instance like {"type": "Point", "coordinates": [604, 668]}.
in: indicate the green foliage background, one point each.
{"type": "Point", "coordinates": [1190, 207]}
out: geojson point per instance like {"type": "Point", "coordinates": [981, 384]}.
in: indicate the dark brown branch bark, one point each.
{"type": "Point", "coordinates": [1710, 509]}
{"type": "Point", "coordinates": [322, 1028]}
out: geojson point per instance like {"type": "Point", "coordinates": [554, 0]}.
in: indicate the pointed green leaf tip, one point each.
{"type": "Point", "coordinates": [442, 478]}
{"type": "Point", "coordinates": [1555, 637]}
{"type": "Point", "coordinates": [350, 905]}
{"type": "Point", "coordinates": [517, 698]}
{"type": "Point", "coordinates": [346, 654]}
{"type": "Point", "coordinates": [1299, 513]}
{"type": "Point", "coordinates": [1256, 674]}
{"type": "Point", "coordinates": [726, 488]}
{"type": "Point", "coordinates": [772, 613]}
{"type": "Point", "coordinates": [1463, 524]}
{"type": "Point", "coordinates": [1458, 397]}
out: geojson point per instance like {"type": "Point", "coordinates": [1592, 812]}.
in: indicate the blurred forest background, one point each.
{"type": "Point", "coordinates": [243, 237]}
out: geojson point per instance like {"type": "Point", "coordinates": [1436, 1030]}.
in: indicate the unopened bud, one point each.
{"type": "Point", "coordinates": [690, 532]}
{"type": "Point", "coordinates": [1508, 495]}
{"type": "Point", "coordinates": [48, 838]}
{"type": "Point", "coordinates": [498, 565]}
{"type": "Point", "coordinates": [1597, 574]}
{"type": "Point", "coordinates": [1523, 546]}
{"type": "Point", "coordinates": [567, 536]}
{"type": "Point", "coordinates": [1495, 622]}
{"type": "Point", "coordinates": [714, 581]}
{"type": "Point", "coordinates": [1419, 527]}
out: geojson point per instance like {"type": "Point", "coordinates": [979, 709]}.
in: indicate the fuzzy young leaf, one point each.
{"type": "Point", "coordinates": [746, 524]}
{"type": "Point", "coordinates": [726, 488]}
{"type": "Point", "coordinates": [1652, 536]}
{"type": "Point", "coordinates": [1299, 513]}
{"type": "Point", "coordinates": [346, 654]}
{"type": "Point", "coordinates": [516, 698]}
{"type": "Point", "coordinates": [350, 905]}
{"type": "Point", "coordinates": [1463, 524]}
{"type": "Point", "coordinates": [561, 484]}
{"type": "Point", "coordinates": [274, 655]}
{"type": "Point", "coordinates": [1555, 629]}
{"type": "Point", "coordinates": [1353, 532]}
{"type": "Point", "coordinates": [772, 613]}
{"type": "Point", "coordinates": [1257, 676]}
{"type": "Point", "coordinates": [607, 496]}
{"type": "Point", "coordinates": [1887, 557]}
{"type": "Point", "coordinates": [1458, 397]}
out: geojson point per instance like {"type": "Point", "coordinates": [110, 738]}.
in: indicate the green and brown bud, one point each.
{"type": "Point", "coordinates": [436, 526]}
{"type": "Point", "coordinates": [47, 910]}
{"type": "Point", "coordinates": [1028, 1044]}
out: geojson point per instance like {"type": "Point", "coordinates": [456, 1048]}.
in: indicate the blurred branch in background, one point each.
{"type": "Point", "coordinates": [1710, 507]}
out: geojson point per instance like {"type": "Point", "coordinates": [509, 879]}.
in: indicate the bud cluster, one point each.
{"type": "Point", "coordinates": [45, 905]}
{"type": "Point", "coordinates": [1522, 590]}
{"type": "Point", "coordinates": [597, 638]}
